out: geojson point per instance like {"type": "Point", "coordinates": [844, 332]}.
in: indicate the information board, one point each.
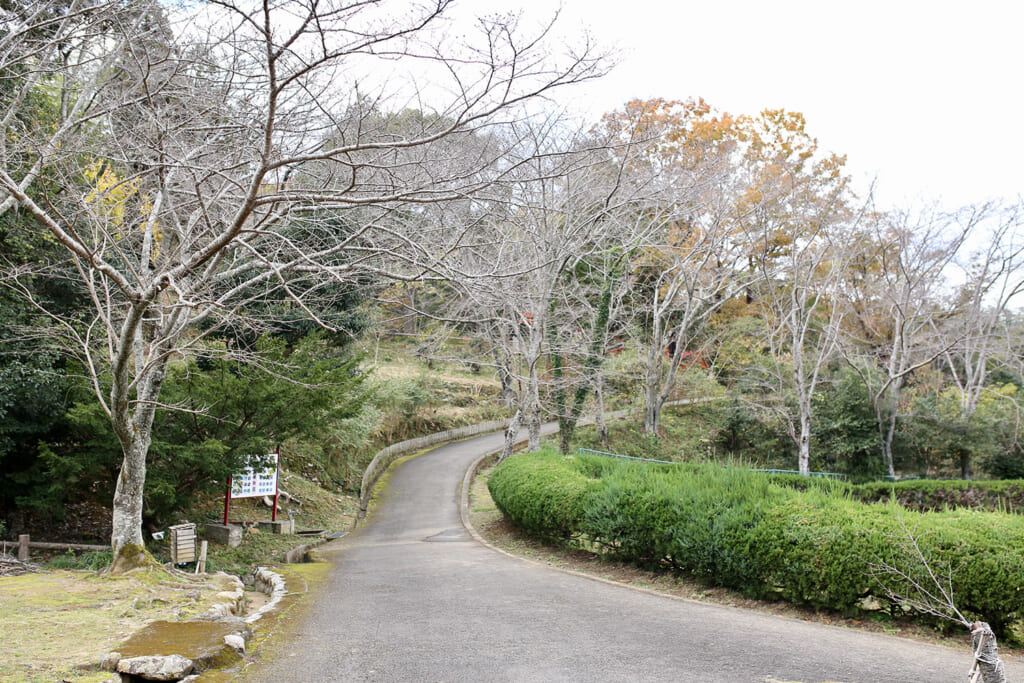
{"type": "Point", "coordinates": [256, 482]}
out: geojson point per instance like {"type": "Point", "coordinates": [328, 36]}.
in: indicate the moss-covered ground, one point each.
{"type": "Point", "coordinates": [57, 625]}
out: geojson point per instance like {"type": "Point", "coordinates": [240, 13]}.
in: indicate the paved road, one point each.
{"type": "Point", "coordinates": [412, 597]}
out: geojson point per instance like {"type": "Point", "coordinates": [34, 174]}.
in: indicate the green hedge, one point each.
{"type": "Point", "coordinates": [739, 529]}
{"type": "Point", "coordinates": [691, 518]}
{"type": "Point", "coordinates": [940, 494]}
{"type": "Point", "coordinates": [802, 483]}
{"type": "Point", "coordinates": [543, 493]}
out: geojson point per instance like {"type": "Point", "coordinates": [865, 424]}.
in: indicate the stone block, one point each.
{"type": "Point", "coordinates": [109, 661]}
{"type": "Point", "coordinates": [297, 555]}
{"type": "Point", "coordinates": [225, 534]}
{"type": "Point", "coordinates": [281, 526]}
{"type": "Point", "coordinates": [157, 667]}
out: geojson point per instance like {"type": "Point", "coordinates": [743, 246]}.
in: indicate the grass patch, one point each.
{"type": "Point", "coordinates": [57, 624]}
{"type": "Point", "coordinates": [87, 561]}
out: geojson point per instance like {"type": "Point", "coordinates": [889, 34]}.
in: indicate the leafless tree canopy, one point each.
{"type": "Point", "coordinates": [196, 160]}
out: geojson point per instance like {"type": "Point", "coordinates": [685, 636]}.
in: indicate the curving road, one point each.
{"type": "Point", "coordinates": [412, 597]}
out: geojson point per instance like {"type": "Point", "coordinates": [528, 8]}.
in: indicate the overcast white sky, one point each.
{"type": "Point", "coordinates": [927, 96]}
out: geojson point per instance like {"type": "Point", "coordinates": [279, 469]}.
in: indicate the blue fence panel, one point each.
{"type": "Point", "coordinates": [826, 475]}
{"type": "Point", "coordinates": [586, 451]}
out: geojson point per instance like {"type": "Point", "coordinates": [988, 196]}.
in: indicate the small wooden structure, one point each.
{"type": "Point", "coordinates": [183, 543]}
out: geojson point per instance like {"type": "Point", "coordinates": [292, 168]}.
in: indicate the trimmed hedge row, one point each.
{"type": "Point", "coordinates": [741, 530]}
{"type": "Point", "coordinates": [544, 495]}
{"type": "Point", "coordinates": [939, 494]}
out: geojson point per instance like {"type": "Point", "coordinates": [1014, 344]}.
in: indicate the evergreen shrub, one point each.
{"type": "Point", "coordinates": [740, 529]}
{"type": "Point", "coordinates": [541, 492]}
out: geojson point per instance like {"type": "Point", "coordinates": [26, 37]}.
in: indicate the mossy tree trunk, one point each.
{"type": "Point", "coordinates": [140, 364]}
{"type": "Point", "coordinates": [569, 416]}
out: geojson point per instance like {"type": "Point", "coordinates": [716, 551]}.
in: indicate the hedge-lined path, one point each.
{"type": "Point", "coordinates": [412, 597]}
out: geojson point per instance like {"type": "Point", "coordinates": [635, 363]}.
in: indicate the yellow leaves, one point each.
{"type": "Point", "coordinates": [112, 195]}
{"type": "Point", "coordinates": [109, 193]}
{"type": "Point", "coordinates": [680, 132]}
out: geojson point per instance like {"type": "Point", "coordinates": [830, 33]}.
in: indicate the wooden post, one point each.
{"type": "Point", "coordinates": [227, 502]}
{"type": "Point", "coordinates": [201, 563]}
{"type": "Point", "coordinates": [277, 486]}
{"type": "Point", "coordinates": [23, 541]}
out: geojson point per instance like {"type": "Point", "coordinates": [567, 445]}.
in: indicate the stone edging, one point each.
{"type": "Point", "coordinates": [384, 457]}
{"type": "Point", "coordinates": [175, 667]}
{"type": "Point", "coordinates": [232, 599]}
{"type": "Point", "coordinates": [298, 554]}
{"type": "Point", "coordinates": [467, 482]}
{"type": "Point", "coordinates": [270, 584]}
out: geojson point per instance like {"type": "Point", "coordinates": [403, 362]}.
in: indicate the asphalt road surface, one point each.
{"type": "Point", "coordinates": [412, 597]}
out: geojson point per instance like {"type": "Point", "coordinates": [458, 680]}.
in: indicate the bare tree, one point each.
{"type": "Point", "coordinates": [976, 332]}
{"type": "Point", "coordinates": [697, 266]}
{"type": "Point", "coordinates": [910, 577]}
{"type": "Point", "coordinates": [897, 285]}
{"type": "Point", "coordinates": [590, 318]}
{"type": "Point", "coordinates": [516, 311]}
{"type": "Point", "coordinates": [560, 218]}
{"type": "Point", "coordinates": [207, 158]}
{"type": "Point", "coordinates": [804, 308]}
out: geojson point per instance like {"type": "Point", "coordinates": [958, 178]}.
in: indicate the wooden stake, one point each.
{"type": "Point", "coordinates": [201, 563]}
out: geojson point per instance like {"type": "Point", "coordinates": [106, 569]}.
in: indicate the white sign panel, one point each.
{"type": "Point", "coordinates": [252, 482]}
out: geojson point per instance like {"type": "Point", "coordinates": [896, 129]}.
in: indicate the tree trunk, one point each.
{"type": "Point", "coordinates": [886, 415]}
{"type": "Point", "coordinates": [652, 407]}
{"type": "Point", "coordinates": [986, 654]}
{"type": "Point", "coordinates": [510, 434]}
{"type": "Point", "coordinates": [533, 412]}
{"type": "Point", "coordinates": [133, 424]}
{"type": "Point", "coordinates": [652, 397]}
{"type": "Point", "coordinates": [602, 427]}
{"type": "Point", "coordinates": [508, 392]}
{"type": "Point", "coordinates": [126, 538]}
{"type": "Point", "coordinates": [965, 463]}
{"type": "Point", "coordinates": [565, 422]}
{"type": "Point", "coordinates": [804, 458]}
{"type": "Point", "coordinates": [592, 372]}
{"type": "Point", "coordinates": [652, 417]}
{"type": "Point", "coordinates": [886, 422]}
{"type": "Point", "coordinates": [887, 457]}
{"type": "Point", "coordinates": [533, 425]}
{"type": "Point", "coordinates": [566, 428]}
